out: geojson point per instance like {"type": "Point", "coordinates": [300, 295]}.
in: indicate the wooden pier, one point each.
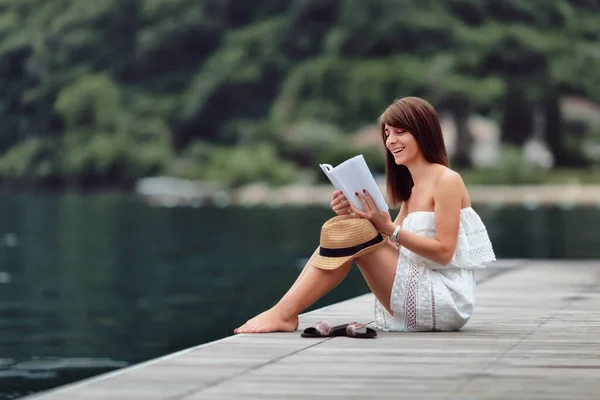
{"type": "Point", "coordinates": [535, 334]}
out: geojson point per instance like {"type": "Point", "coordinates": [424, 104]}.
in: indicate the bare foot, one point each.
{"type": "Point", "coordinates": [268, 321]}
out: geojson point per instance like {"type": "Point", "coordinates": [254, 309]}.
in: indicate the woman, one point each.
{"type": "Point", "coordinates": [423, 278]}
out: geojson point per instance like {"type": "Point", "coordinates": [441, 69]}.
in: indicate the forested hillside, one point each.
{"type": "Point", "coordinates": [100, 93]}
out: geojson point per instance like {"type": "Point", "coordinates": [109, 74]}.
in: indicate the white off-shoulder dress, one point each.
{"type": "Point", "coordinates": [427, 296]}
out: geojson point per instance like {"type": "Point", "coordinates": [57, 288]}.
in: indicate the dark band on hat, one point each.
{"type": "Point", "coordinates": [349, 251]}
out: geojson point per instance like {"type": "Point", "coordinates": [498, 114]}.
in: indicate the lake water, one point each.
{"type": "Point", "coordinates": [89, 284]}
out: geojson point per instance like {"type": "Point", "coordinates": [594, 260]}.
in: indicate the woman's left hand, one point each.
{"type": "Point", "coordinates": [380, 219]}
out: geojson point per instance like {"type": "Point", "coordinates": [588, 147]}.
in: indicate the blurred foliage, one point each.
{"type": "Point", "coordinates": [239, 165]}
{"type": "Point", "coordinates": [102, 93]}
{"type": "Point", "coordinates": [512, 167]}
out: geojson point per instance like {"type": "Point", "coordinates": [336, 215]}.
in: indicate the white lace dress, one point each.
{"type": "Point", "coordinates": [427, 296]}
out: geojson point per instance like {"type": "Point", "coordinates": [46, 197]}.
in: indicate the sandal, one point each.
{"type": "Point", "coordinates": [324, 329]}
{"type": "Point", "coordinates": [357, 330]}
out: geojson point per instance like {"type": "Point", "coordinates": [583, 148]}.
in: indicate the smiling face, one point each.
{"type": "Point", "coordinates": [411, 132]}
{"type": "Point", "coordinates": [402, 144]}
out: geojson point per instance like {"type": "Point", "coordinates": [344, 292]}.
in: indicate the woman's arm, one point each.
{"type": "Point", "coordinates": [448, 195]}
{"type": "Point", "coordinates": [449, 191]}
{"type": "Point", "coordinates": [398, 222]}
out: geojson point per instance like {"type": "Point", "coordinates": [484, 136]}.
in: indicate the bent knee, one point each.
{"type": "Point", "coordinates": [381, 256]}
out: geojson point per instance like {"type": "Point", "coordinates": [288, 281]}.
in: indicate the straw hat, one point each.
{"type": "Point", "coordinates": [344, 238]}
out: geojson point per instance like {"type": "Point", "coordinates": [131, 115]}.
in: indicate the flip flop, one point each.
{"type": "Point", "coordinates": [324, 329]}
{"type": "Point", "coordinates": [357, 330]}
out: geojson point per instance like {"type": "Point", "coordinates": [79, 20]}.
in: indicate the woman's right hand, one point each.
{"type": "Point", "coordinates": [339, 204]}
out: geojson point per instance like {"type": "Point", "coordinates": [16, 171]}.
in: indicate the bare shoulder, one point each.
{"type": "Point", "coordinates": [449, 183]}
{"type": "Point", "coordinates": [449, 177]}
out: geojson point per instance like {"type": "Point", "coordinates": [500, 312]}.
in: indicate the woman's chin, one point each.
{"type": "Point", "coordinates": [403, 160]}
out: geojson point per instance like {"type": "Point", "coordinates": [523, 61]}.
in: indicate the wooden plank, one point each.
{"type": "Point", "coordinates": [534, 335]}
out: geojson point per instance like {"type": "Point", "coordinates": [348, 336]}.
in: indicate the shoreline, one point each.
{"type": "Point", "coordinates": [315, 195]}
{"type": "Point", "coordinates": [303, 195]}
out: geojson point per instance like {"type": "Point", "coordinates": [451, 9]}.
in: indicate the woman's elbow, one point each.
{"type": "Point", "coordinates": [444, 260]}
{"type": "Point", "coordinates": [446, 255]}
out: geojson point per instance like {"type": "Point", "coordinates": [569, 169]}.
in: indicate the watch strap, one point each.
{"type": "Point", "coordinates": [394, 236]}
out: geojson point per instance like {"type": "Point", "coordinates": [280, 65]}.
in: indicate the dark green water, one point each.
{"type": "Point", "coordinates": [90, 284]}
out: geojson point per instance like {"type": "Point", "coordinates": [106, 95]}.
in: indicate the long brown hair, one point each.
{"type": "Point", "coordinates": [419, 118]}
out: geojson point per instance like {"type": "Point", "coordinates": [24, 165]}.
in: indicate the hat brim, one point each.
{"type": "Point", "coordinates": [330, 263]}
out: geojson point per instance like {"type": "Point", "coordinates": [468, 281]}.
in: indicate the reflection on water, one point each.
{"type": "Point", "coordinates": [90, 284]}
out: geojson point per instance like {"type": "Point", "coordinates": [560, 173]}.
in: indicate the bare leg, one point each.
{"type": "Point", "coordinates": [379, 270]}
{"type": "Point", "coordinates": [306, 267]}
{"type": "Point", "coordinates": [313, 284]}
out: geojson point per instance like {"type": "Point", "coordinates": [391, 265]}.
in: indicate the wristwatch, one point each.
{"type": "Point", "coordinates": [394, 237]}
